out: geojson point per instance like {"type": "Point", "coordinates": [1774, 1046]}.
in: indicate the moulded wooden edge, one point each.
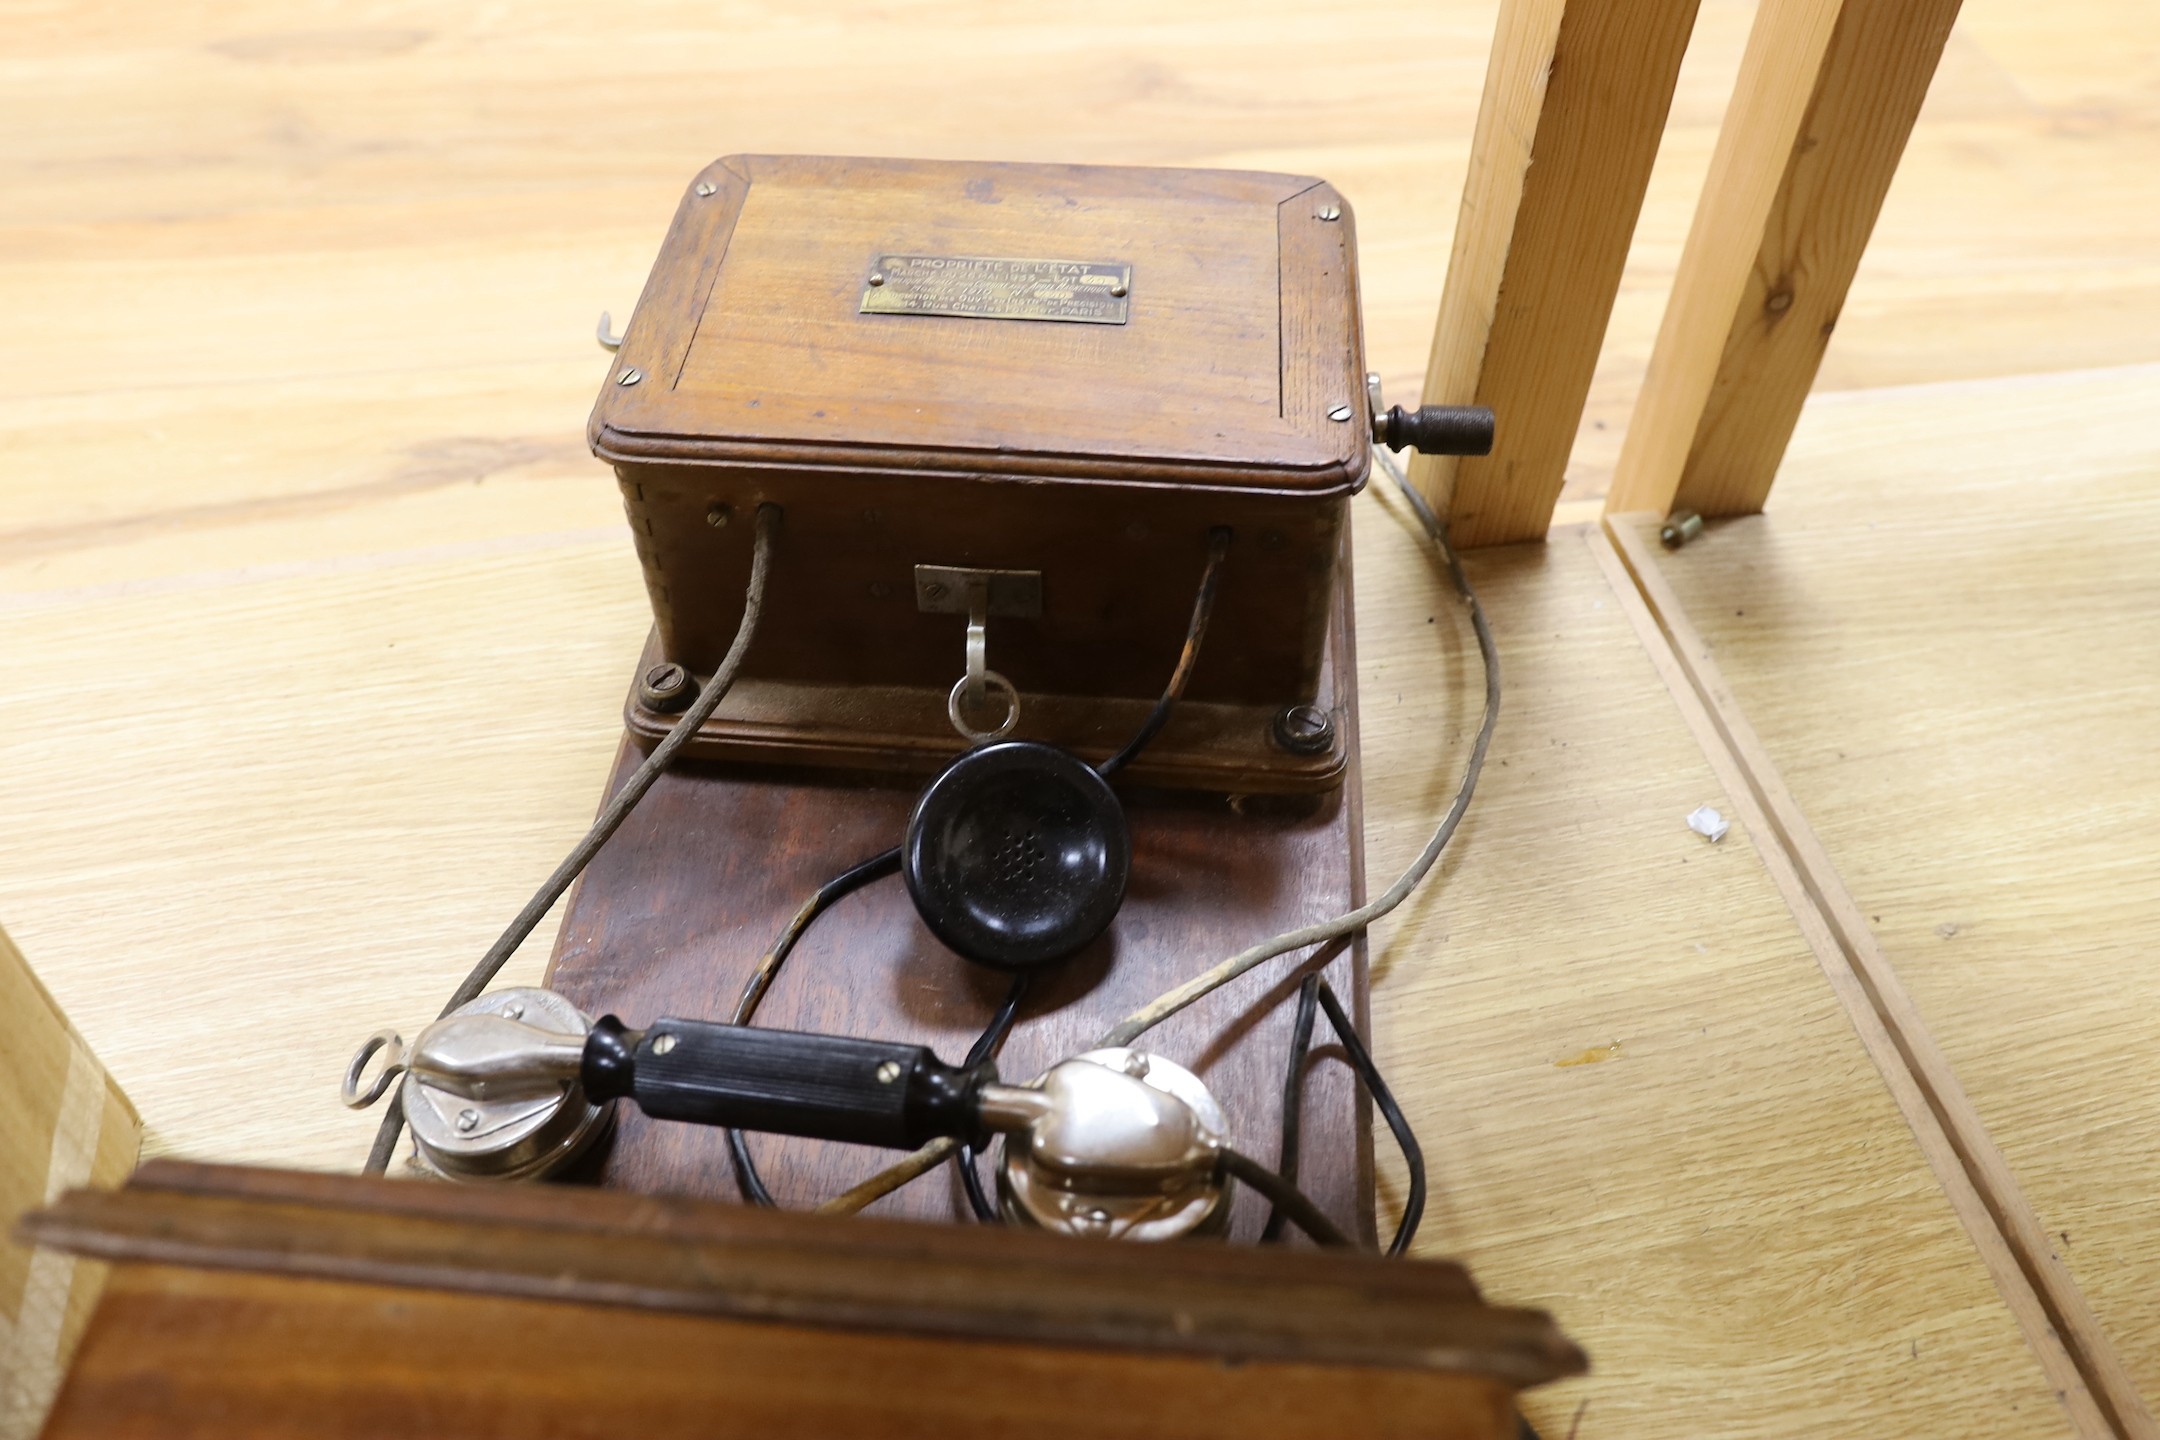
{"type": "Point", "coordinates": [1221, 749]}
{"type": "Point", "coordinates": [703, 1257]}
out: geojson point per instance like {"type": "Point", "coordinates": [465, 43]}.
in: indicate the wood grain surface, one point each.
{"type": "Point", "coordinates": [316, 613]}
{"type": "Point", "coordinates": [251, 1357]}
{"type": "Point", "coordinates": [609, 1248]}
{"type": "Point", "coordinates": [546, 1310]}
{"type": "Point", "coordinates": [63, 1124]}
{"type": "Point", "coordinates": [1575, 103]}
{"type": "Point", "coordinates": [1826, 98]}
{"type": "Point", "coordinates": [671, 918]}
{"type": "Point", "coordinates": [750, 344]}
{"type": "Point", "coordinates": [1959, 689]}
{"type": "Point", "coordinates": [1601, 1019]}
{"type": "Point", "coordinates": [2054, 1316]}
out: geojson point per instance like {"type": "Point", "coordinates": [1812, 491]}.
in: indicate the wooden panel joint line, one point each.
{"type": "Point", "coordinates": [2058, 1322]}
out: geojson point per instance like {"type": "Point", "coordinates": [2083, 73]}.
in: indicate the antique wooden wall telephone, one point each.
{"type": "Point", "coordinates": [878, 424]}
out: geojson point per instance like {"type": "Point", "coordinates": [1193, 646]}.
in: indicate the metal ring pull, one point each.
{"type": "Point", "coordinates": [993, 684]}
{"type": "Point", "coordinates": [393, 1066]}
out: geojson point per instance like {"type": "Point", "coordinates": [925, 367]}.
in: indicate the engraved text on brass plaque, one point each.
{"type": "Point", "coordinates": [1086, 292]}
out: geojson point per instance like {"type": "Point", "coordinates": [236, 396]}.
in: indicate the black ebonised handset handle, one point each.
{"type": "Point", "coordinates": [824, 1087]}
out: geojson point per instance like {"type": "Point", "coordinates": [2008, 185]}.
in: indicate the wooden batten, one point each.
{"type": "Point", "coordinates": [63, 1123]}
{"type": "Point", "coordinates": [1827, 94]}
{"type": "Point", "coordinates": [1575, 102]}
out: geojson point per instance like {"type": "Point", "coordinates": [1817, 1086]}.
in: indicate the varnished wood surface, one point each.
{"type": "Point", "coordinates": [671, 919]}
{"type": "Point", "coordinates": [1826, 97]}
{"type": "Point", "coordinates": [1944, 634]}
{"type": "Point", "coordinates": [187, 1353]}
{"type": "Point", "coordinates": [749, 343]}
{"type": "Point", "coordinates": [606, 1248]}
{"type": "Point", "coordinates": [1119, 568]}
{"type": "Point", "coordinates": [555, 1310]}
{"type": "Point", "coordinates": [315, 610]}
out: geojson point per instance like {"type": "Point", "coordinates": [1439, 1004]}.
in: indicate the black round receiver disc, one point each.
{"type": "Point", "coordinates": [1017, 855]}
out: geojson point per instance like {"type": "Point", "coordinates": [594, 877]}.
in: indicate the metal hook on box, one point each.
{"type": "Point", "coordinates": [978, 637]}
{"type": "Point", "coordinates": [609, 343]}
{"type": "Point", "coordinates": [976, 685]}
{"type": "Point", "coordinates": [979, 594]}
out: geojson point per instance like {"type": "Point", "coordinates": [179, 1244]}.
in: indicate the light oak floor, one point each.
{"type": "Point", "coordinates": [315, 618]}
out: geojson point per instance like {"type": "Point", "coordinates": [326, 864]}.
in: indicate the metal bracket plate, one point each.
{"type": "Point", "coordinates": [944, 589]}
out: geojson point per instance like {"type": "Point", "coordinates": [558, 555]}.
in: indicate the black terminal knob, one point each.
{"type": "Point", "coordinates": [1437, 429]}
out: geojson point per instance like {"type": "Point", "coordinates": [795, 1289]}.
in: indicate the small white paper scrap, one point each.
{"type": "Point", "coordinates": [1707, 823]}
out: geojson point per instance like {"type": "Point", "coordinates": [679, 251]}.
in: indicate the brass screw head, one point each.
{"type": "Point", "coordinates": [718, 516]}
{"type": "Point", "coordinates": [1304, 730]}
{"type": "Point", "coordinates": [888, 1071]}
{"type": "Point", "coordinates": [1329, 212]}
{"type": "Point", "coordinates": [1339, 413]}
{"type": "Point", "coordinates": [877, 277]}
{"type": "Point", "coordinates": [630, 376]}
{"type": "Point", "coordinates": [667, 687]}
{"type": "Point", "coordinates": [706, 188]}
{"type": "Point", "coordinates": [663, 1042]}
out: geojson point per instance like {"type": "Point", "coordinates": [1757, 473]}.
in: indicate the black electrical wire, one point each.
{"type": "Point", "coordinates": [1317, 992]}
{"type": "Point", "coordinates": [1195, 631]}
{"type": "Point", "coordinates": [1284, 1196]}
{"type": "Point", "coordinates": [1293, 1096]}
{"type": "Point", "coordinates": [983, 1049]}
{"type": "Point", "coordinates": [1163, 1006]}
{"type": "Point", "coordinates": [617, 810]}
{"type": "Point", "coordinates": [1384, 1101]}
{"type": "Point", "coordinates": [877, 867]}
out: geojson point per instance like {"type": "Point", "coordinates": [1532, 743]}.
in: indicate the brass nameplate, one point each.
{"type": "Point", "coordinates": [1084, 292]}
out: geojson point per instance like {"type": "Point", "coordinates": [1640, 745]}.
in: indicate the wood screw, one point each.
{"type": "Point", "coordinates": [630, 376]}
{"type": "Point", "coordinates": [1329, 212]}
{"type": "Point", "coordinates": [706, 188]}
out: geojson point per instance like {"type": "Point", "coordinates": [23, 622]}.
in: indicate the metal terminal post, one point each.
{"type": "Point", "coordinates": [1681, 527]}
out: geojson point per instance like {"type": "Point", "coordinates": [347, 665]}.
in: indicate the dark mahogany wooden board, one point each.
{"type": "Point", "coordinates": [675, 911]}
